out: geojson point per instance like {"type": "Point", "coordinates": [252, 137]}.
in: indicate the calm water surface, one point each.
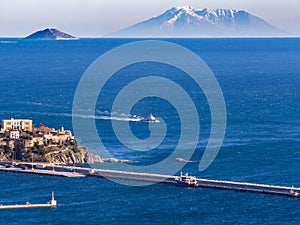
{"type": "Point", "coordinates": [260, 81]}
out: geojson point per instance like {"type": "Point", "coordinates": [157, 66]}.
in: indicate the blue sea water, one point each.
{"type": "Point", "coordinates": [260, 81]}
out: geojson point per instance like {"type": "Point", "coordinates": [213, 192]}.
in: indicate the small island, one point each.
{"type": "Point", "coordinates": [21, 141]}
{"type": "Point", "coordinates": [50, 34]}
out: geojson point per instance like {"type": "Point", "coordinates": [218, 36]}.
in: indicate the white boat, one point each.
{"type": "Point", "coordinates": [293, 192]}
{"type": "Point", "coordinates": [150, 119]}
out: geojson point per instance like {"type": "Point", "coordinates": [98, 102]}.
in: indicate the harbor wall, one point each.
{"type": "Point", "coordinates": [77, 172]}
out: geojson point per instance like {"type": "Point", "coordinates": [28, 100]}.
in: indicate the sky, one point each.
{"type": "Point", "coordinates": [95, 18]}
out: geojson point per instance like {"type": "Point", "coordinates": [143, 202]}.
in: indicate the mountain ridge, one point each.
{"type": "Point", "coordinates": [188, 21]}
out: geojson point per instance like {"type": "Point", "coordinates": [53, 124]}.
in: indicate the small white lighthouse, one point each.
{"type": "Point", "coordinates": [53, 202]}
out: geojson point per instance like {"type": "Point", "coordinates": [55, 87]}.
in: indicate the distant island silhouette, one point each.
{"type": "Point", "coordinates": [50, 34]}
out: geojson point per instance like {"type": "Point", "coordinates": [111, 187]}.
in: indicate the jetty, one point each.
{"type": "Point", "coordinates": [57, 171]}
{"type": "Point", "coordinates": [250, 187]}
{"type": "Point", "coordinates": [194, 182]}
{"type": "Point", "coordinates": [181, 180]}
{"type": "Point", "coordinates": [51, 204]}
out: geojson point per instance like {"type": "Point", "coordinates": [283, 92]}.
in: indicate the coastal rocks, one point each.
{"type": "Point", "coordinates": [61, 153]}
{"type": "Point", "coordinates": [113, 160]}
{"type": "Point", "coordinates": [90, 157]}
{"type": "Point", "coordinates": [181, 160]}
{"type": "Point", "coordinates": [4, 157]}
{"type": "Point", "coordinates": [70, 157]}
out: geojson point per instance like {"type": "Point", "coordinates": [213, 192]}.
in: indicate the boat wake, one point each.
{"type": "Point", "coordinates": [116, 118]}
{"type": "Point", "coordinates": [102, 116]}
{"type": "Point", "coordinates": [119, 117]}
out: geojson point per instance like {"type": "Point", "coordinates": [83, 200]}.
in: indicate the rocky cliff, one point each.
{"type": "Point", "coordinates": [68, 152]}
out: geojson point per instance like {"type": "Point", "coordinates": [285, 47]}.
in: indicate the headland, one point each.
{"type": "Point", "coordinates": [22, 142]}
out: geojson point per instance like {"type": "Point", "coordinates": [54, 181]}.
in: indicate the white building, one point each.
{"type": "Point", "coordinates": [14, 134]}
{"type": "Point", "coordinates": [17, 124]}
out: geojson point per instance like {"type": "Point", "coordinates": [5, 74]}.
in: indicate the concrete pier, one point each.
{"type": "Point", "coordinates": [51, 204]}
{"type": "Point", "coordinates": [249, 187]}
{"type": "Point", "coordinates": [77, 172]}
{"type": "Point", "coordinates": [135, 176]}
{"type": "Point", "coordinates": [46, 172]}
{"type": "Point", "coordinates": [202, 183]}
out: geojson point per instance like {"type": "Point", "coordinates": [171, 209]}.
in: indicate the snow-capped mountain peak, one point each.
{"type": "Point", "coordinates": [189, 21]}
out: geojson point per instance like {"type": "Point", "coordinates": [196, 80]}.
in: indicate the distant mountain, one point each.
{"type": "Point", "coordinates": [50, 34]}
{"type": "Point", "coordinates": [187, 21]}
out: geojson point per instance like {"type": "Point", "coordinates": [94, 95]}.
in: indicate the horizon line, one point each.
{"type": "Point", "coordinates": [162, 37]}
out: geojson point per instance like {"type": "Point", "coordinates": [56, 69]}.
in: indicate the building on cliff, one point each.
{"type": "Point", "coordinates": [22, 130]}
{"type": "Point", "coordinates": [14, 134]}
{"type": "Point", "coordinates": [20, 139]}
{"type": "Point", "coordinates": [17, 124]}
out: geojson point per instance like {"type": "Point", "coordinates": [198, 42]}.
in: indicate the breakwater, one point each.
{"type": "Point", "coordinates": [51, 204]}
{"type": "Point", "coordinates": [77, 172]}
{"type": "Point", "coordinates": [249, 187]}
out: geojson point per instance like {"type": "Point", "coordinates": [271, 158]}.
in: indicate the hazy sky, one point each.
{"type": "Point", "coordinates": [95, 18]}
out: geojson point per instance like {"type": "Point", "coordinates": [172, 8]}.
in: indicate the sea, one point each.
{"type": "Point", "coordinates": [260, 82]}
